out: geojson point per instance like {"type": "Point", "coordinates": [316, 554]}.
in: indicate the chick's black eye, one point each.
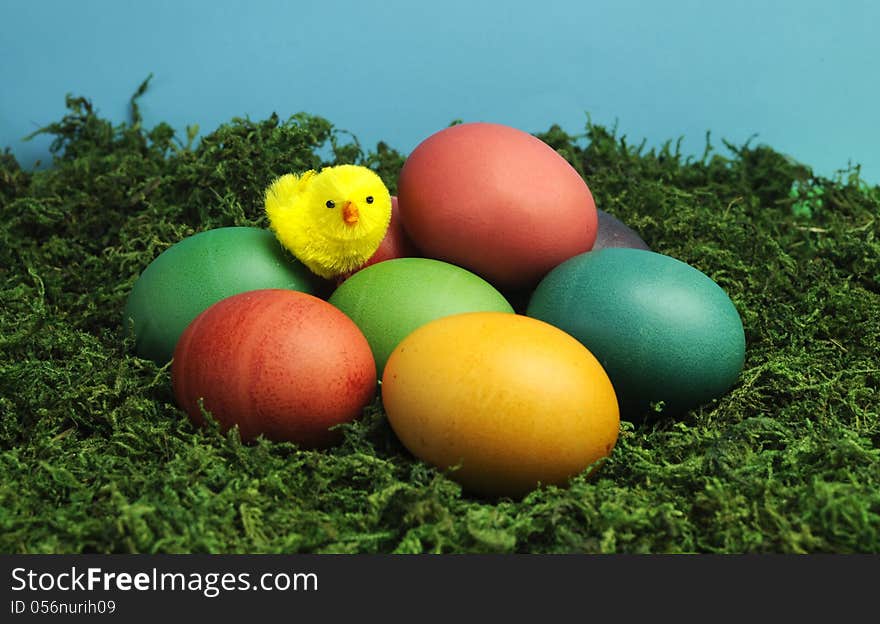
{"type": "Point", "coordinates": [330, 203]}
{"type": "Point", "coordinates": [369, 199]}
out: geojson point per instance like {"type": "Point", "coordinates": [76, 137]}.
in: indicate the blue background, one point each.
{"type": "Point", "coordinates": [801, 75]}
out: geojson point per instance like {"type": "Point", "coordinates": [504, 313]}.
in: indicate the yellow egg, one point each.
{"type": "Point", "coordinates": [509, 402]}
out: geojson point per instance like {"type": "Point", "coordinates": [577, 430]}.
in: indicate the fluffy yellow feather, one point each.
{"type": "Point", "coordinates": [332, 221]}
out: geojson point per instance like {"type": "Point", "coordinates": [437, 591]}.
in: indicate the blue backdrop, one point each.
{"type": "Point", "coordinates": [802, 75]}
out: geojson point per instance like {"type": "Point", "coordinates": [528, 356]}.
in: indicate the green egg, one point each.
{"type": "Point", "coordinates": [199, 271]}
{"type": "Point", "coordinates": [391, 299]}
{"type": "Point", "coordinates": [663, 330]}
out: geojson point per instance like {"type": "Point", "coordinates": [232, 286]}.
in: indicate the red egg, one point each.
{"type": "Point", "coordinates": [277, 363]}
{"type": "Point", "coordinates": [396, 243]}
{"type": "Point", "coordinates": [495, 200]}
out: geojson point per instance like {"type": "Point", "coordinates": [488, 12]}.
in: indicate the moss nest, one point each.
{"type": "Point", "coordinates": [96, 457]}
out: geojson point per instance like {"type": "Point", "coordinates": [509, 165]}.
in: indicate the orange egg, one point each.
{"type": "Point", "coordinates": [497, 201]}
{"type": "Point", "coordinates": [509, 401]}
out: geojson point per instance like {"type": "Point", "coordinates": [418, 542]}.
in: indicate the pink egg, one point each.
{"type": "Point", "coordinates": [497, 201]}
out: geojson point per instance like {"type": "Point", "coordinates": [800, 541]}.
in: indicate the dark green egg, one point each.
{"type": "Point", "coordinates": [199, 271]}
{"type": "Point", "coordinates": [663, 330]}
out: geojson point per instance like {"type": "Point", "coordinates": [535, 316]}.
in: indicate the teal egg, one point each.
{"type": "Point", "coordinates": [662, 329]}
{"type": "Point", "coordinates": [199, 271]}
{"type": "Point", "coordinates": [391, 299]}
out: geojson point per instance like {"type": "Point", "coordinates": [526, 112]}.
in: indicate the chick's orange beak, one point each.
{"type": "Point", "coordinates": [350, 213]}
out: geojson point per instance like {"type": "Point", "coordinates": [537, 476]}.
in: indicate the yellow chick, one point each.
{"type": "Point", "coordinates": [332, 221]}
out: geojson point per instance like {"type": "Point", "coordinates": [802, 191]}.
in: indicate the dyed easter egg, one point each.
{"type": "Point", "coordinates": [396, 243]}
{"type": "Point", "coordinates": [497, 201]}
{"type": "Point", "coordinates": [662, 329]}
{"type": "Point", "coordinates": [390, 299]}
{"type": "Point", "coordinates": [508, 401]}
{"type": "Point", "coordinates": [277, 363]}
{"type": "Point", "coordinates": [201, 270]}
{"type": "Point", "coordinates": [615, 233]}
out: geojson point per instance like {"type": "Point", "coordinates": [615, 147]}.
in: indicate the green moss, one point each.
{"type": "Point", "coordinates": [95, 456]}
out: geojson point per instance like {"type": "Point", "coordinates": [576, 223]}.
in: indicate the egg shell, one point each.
{"type": "Point", "coordinates": [663, 330]}
{"type": "Point", "coordinates": [396, 243]}
{"type": "Point", "coordinates": [278, 363]}
{"type": "Point", "coordinates": [615, 233]}
{"type": "Point", "coordinates": [198, 271]}
{"type": "Point", "coordinates": [391, 299]}
{"type": "Point", "coordinates": [497, 201]}
{"type": "Point", "coordinates": [508, 401]}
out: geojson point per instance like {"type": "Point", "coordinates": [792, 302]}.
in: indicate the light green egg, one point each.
{"type": "Point", "coordinates": [391, 299]}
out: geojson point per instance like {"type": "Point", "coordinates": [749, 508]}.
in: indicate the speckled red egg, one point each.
{"type": "Point", "coordinates": [396, 243]}
{"type": "Point", "coordinates": [497, 201]}
{"type": "Point", "coordinates": [277, 363]}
